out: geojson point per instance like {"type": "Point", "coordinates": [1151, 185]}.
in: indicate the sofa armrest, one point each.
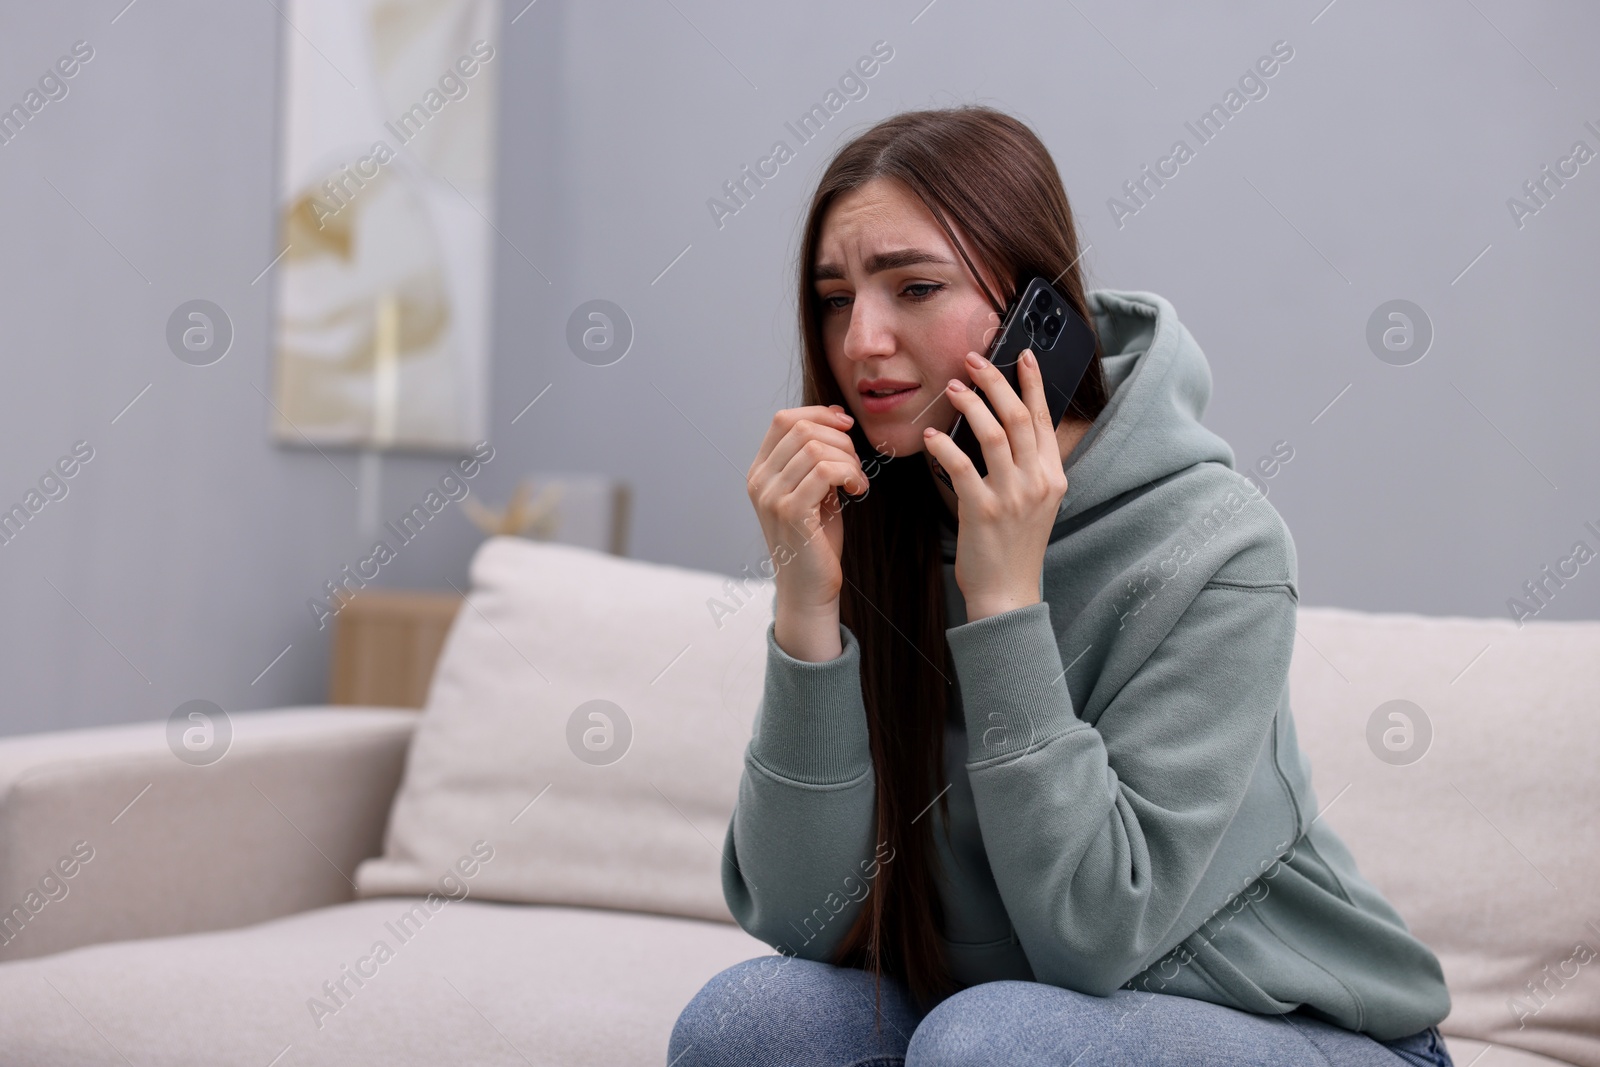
{"type": "Point", "coordinates": [156, 846]}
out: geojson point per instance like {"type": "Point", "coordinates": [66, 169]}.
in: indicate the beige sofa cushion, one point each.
{"type": "Point", "coordinates": [474, 983]}
{"type": "Point", "coordinates": [563, 985]}
{"type": "Point", "coordinates": [1487, 843]}
{"type": "Point", "coordinates": [500, 754]}
{"type": "Point", "coordinates": [1465, 1052]}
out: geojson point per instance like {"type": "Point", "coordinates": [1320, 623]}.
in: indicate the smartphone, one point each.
{"type": "Point", "coordinates": [1041, 319]}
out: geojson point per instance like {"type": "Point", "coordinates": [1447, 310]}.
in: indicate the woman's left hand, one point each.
{"type": "Point", "coordinates": [1004, 517]}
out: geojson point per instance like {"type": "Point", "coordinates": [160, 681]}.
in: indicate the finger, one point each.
{"type": "Point", "coordinates": [1038, 407]}
{"type": "Point", "coordinates": [1014, 415]}
{"type": "Point", "coordinates": [804, 432]}
{"type": "Point", "coordinates": [816, 485]}
{"type": "Point", "coordinates": [799, 437]}
{"type": "Point", "coordinates": [992, 436]}
{"type": "Point", "coordinates": [964, 477]}
{"type": "Point", "coordinates": [785, 420]}
{"type": "Point", "coordinates": [842, 464]}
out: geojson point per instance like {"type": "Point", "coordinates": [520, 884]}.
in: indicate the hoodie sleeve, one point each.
{"type": "Point", "coordinates": [799, 857]}
{"type": "Point", "coordinates": [1099, 835]}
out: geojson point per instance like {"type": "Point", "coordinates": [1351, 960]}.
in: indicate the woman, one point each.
{"type": "Point", "coordinates": [1025, 787]}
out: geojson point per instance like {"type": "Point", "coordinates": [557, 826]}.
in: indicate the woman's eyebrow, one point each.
{"type": "Point", "coordinates": [881, 261]}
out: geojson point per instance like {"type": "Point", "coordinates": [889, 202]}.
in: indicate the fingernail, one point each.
{"type": "Point", "coordinates": [846, 418]}
{"type": "Point", "coordinates": [1028, 355]}
{"type": "Point", "coordinates": [956, 386]}
{"type": "Point", "coordinates": [928, 431]}
{"type": "Point", "coordinates": [974, 360]}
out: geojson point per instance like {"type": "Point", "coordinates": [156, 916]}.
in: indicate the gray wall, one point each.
{"type": "Point", "coordinates": [1378, 166]}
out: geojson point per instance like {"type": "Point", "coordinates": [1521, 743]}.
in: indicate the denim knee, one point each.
{"type": "Point", "coordinates": [723, 1014]}
{"type": "Point", "coordinates": [1028, 1022]}
{"type": "Point", "coordinates": [787, 1010]}
{"type": "Point", "coordinates": [991, 1022]}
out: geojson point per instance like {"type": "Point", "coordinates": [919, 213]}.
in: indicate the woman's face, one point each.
{"type": "Point", "coordinates": [900, 311]}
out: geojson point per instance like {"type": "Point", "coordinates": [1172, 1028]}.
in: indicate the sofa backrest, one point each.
{"type": "Point", "coordinates": [1472, 805]}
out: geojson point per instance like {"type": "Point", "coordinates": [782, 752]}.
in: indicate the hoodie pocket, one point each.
{"type": "Point", "coordinates": [1002, 959]}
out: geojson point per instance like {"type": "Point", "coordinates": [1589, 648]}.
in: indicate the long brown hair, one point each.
{"type": "Point", "coordinates": [991, 176]}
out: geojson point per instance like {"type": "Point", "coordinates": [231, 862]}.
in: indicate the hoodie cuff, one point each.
{"type": "Point", "coordinates": [1013, 690]}
{"type": "Point", "coordinates": [812, 725]}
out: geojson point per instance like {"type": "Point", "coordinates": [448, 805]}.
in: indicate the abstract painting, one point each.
{"type": "Point", "coordinates": [385, 201]}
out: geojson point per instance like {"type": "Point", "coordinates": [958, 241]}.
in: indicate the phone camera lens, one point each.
{"type": "Point", "coordinates": [1031, 321]}
{"type": "Point", "coordinates": [1041, 301]}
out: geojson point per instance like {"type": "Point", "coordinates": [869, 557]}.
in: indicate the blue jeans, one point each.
{"type": "Point", "coordinates": [782, 1010]}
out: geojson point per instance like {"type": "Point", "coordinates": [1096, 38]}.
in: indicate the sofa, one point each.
{"type": "Point", "coordinates": [527, 871]}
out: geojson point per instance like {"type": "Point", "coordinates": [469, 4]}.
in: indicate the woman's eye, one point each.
{"type": "Point", "coordinates": [927, 289]}
{"type": "Point", "coordinates": [828, 301]}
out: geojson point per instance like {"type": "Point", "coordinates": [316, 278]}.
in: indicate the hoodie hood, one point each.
{"type": "Point", "coordinates": [1159, 383]}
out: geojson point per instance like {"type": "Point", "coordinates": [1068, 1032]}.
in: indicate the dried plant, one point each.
{"type": "Point", "coordinates": [537, 519]}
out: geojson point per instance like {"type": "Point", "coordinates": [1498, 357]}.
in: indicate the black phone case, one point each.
{"type": "Point", "coordinates": [1041, 319]}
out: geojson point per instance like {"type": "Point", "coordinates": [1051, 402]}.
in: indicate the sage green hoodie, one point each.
{"type": "Point", "coordinates": [1128, 807]}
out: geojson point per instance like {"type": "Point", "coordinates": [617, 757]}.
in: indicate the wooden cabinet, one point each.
{"type": "Point", "coordinates": [385, 645]}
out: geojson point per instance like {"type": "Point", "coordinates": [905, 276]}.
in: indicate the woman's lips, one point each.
{"type": "Point", "coordinates": [877, 405]}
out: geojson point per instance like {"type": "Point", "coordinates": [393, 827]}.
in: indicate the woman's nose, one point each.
{"type": "Point", "coordinates": [870, 333]}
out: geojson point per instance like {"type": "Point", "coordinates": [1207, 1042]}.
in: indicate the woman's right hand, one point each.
{"type": "Point", "coordinates": [806, 457]}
